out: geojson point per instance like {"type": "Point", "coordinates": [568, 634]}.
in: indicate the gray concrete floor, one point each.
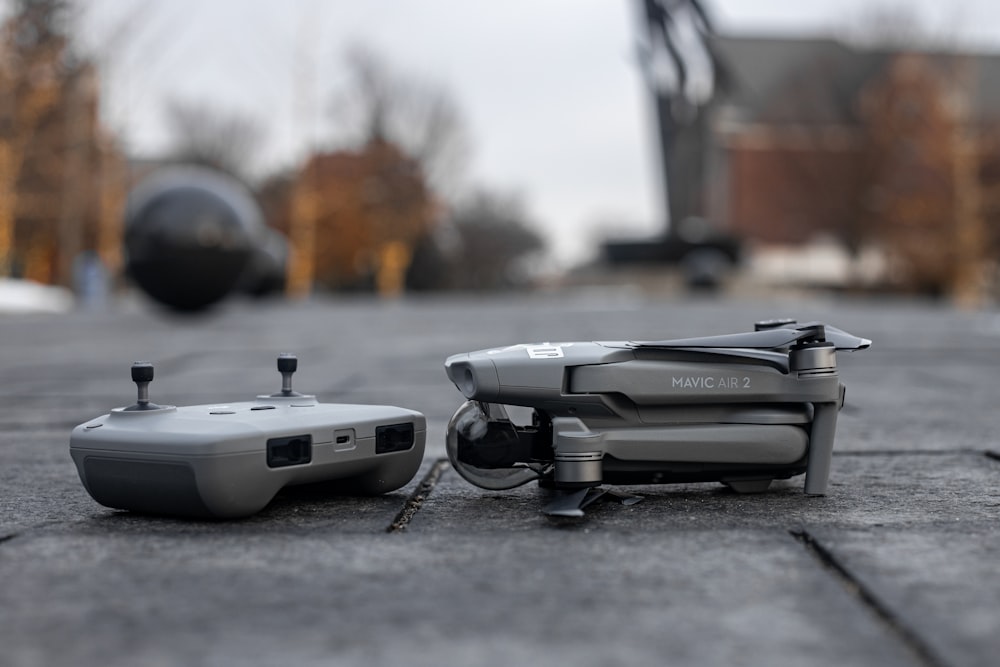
{"type": "Point", "coordinates": [898, 565]}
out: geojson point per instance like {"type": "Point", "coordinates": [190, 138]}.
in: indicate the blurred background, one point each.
{"type": "Point", "coordinates": [193, 151]}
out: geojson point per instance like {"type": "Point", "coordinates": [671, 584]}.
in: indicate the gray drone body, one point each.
{"type": "Point", "coordinates": [742, 409]}
{"type": "Point", "coordinates": [230, 460]}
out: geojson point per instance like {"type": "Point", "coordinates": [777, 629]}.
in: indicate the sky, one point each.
{"type": "Point", "coordinates": [550, 91]}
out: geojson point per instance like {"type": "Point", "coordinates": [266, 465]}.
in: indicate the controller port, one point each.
{"type": "Point", "coordinates": [393, 438]}
{"type": "Point", "coordinates": [343, 440]}
{"type": "Point", "coordinates": [289, 451]}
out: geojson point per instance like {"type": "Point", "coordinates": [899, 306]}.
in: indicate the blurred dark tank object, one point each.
{"type": "Point", "coordinates": [704, 254]}
{"type": "Point", "coordinates": [193, 236]}
{"type": "Point", "coordinates": [266, 273]}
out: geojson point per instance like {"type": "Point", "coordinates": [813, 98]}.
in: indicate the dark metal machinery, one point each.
{"type": "Point", "coordinates": [193, 236]}
{"type": "Point", "coordinates": [685, 78]}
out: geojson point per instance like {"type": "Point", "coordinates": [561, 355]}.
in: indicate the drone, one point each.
{"type": "Point", "coordinates": [742, 409]}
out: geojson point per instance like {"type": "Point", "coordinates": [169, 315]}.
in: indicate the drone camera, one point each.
{"type": "Point", "coordinates": [474, 379]}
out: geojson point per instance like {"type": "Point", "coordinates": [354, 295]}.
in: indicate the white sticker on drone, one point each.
{"type": "Point", "coordinates": [544, 352]}
{"type": "Point", "coordinates": [537, 351]}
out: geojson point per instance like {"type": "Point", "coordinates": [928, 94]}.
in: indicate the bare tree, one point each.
{"type": "Point", "coordinates": [886, 27]}
{"type": "Point", "coordinates": [213, 137]}
{"type": "Point", "coordinates": [380, 103]}
{"type": "Point", "coordinates": [495, 237]}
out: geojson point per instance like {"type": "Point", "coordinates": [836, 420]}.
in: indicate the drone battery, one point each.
{"type": "Point", "coordinates": [727, 443]}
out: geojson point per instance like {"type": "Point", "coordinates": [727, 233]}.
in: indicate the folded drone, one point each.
{"type": "Point", "coordinates": [742, 409]}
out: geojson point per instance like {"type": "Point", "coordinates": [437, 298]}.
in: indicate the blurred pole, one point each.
{"type": "Point", "coordinates": [8, 194]}
{"type": "Point", "coordinates": [8, 177]}
{"type": "Point", "coordinates": [75, 159]}
{"type": "Point", "coordinates": [966, 287]}
{"type": "Point", "coordinates": [111, 206]}
{"type": "Point", "coordinates": [302, 235]}
{"type": "Point", "coordinates": [301, 268]}
{"type": "Point", "coordinates": [393, 261]}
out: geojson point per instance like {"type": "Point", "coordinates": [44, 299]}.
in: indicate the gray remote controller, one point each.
{"type": "Point", "coordinates": [229, 460]}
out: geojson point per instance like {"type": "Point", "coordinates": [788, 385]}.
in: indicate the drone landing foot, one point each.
{"type": "Point", "coordinates": [748, 485]}
{"type": "Point", "coordinates": [572, 504]}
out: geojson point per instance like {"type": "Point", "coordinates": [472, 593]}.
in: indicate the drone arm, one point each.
{"type": "Point", "coordinates": [824, 427]}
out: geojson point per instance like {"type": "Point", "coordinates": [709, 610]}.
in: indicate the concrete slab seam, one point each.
{"type": "Point", "coordinates": [911, 452]}
{"type": "Point", "coordinates": [909, 637]}
{"type": "Point", "coordinates": [55, 426]}
{"type": "Point", "coordinates": [419, 495]}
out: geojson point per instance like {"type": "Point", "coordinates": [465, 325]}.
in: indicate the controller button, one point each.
{"type": "Point", "coordinates": [393, 438]}
{"type": "Point", "coordinates": [289, 451]}
{"type": "Point", "coordinates": [142, 375]}
{"type": "Point", "coordinates": [287, 365]}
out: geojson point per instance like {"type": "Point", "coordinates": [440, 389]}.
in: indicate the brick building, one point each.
{"type": "Point", "coordinates": [817, 138]}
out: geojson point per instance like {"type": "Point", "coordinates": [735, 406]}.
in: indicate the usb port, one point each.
{"type": "Point", "coordinates": [343, 440]}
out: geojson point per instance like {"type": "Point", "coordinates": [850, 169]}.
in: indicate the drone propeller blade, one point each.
{"type": "Point", "coordinates": [845, 341]}
{"type": "Point", "coordinates": [768, 339]}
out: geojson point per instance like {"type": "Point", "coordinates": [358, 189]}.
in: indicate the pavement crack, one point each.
{"type": "Point", "coordinates": [990, 454]}
{"type": "Point", "coordinates": [419, 495]}
{"type": "Point", "coordinates": [869, 599]}
{"type": "Point", "coordinates": [7, 538]}
{"type": "Point", "coordinates": [909, 452]}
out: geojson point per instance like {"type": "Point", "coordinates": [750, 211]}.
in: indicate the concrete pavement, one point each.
{"type": "Point", "coordinates": [896, 566]}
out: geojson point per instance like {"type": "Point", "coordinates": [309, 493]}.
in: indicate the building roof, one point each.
{"type": "Point", "coordinates": [818, 80]}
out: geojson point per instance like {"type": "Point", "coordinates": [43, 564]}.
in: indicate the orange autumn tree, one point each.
{"type": "Point", "coordinates": [923, 203]}
{"type": "Point", "coordinates": [356, 217]}
{"type": "Point", "coordinates": [55, 198]}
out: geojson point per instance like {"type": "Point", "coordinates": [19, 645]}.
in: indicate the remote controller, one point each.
{"type": "Point", "coordinates": [229, 460]}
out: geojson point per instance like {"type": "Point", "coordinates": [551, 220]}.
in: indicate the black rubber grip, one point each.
{"type": "Point", "coordinates": [287, 363]}
{"type": "Point", "coordinates": [142, 371]}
